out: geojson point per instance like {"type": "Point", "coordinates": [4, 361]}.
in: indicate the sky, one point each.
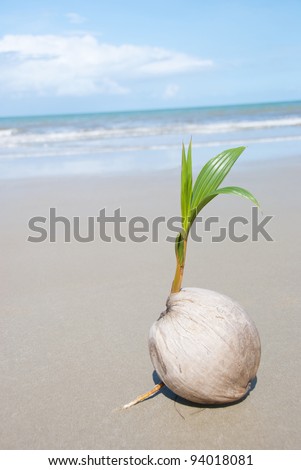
{"type": "Point", "coordinates": [75, 56]}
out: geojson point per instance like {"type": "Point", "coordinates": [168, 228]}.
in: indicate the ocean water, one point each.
{"type": "Point", "coordinates": [142, 140]}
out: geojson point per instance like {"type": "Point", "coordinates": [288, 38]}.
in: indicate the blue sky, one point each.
{"type": "Point", "coordinates": [89, 56]}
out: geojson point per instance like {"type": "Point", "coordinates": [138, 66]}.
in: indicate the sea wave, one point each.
{"type": "Point", "coordinates": [82, 151]}
{"type": "Point", "coordinates": [4, 133]}
{"type": "Point", "coordinates": [12, 137]}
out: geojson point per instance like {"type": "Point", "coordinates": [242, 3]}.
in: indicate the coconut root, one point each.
{"type": "Point", "coordinates": [143, 397]}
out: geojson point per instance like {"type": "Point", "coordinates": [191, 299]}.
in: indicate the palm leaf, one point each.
{"type": "Point", "coordinates": [179, 248]}
{"type": "Point", "coordinates": [189, 176]}
{"type": "Point", "coordinates": [183, 185]}
{"type": "Point", "coordinates": [213, 173]}
{"type": "Point", "coordinates": [186, 185]}
{"type": "Point", "coordinates": [209, 178]}
{"type": "Point", "coordinates": [237, 191]}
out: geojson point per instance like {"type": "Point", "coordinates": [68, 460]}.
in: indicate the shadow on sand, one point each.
{"type": "Point", "coordinates": [172, 396]}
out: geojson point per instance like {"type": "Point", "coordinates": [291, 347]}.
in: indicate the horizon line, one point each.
{"type": "Point", "coordinates": [141, 110]}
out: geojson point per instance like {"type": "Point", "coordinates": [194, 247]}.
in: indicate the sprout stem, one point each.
{"type": "Point", "coordinates": [177, 282]}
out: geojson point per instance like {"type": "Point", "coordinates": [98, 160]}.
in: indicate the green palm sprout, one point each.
{"type": "Point", "coordinates": [196, 196]}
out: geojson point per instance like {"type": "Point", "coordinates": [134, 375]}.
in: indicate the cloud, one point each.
{"type": "Point", "coordinates": [171, 90]}
{"type": "Point", "coordinates": [81, 65]}
{"type": "Point", "coordinates": [75, 18]}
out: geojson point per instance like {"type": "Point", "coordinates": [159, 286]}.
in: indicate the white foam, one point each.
{"type": "Point", "coordinates": [6, 133]}
{"type": "Point", "coordinates": [84, 151]}
{"type": "Point", "coordinates": [10, 138]}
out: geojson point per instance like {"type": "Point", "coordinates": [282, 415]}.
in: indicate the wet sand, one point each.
{"type": "Point", "coordinates": [75, 316]}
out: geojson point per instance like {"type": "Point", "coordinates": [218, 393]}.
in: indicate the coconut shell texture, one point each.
{"type": "Point", "coordinates": [204, 347]}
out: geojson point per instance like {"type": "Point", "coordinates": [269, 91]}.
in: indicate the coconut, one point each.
{"type": "Point", "coordinates": [205, 347]}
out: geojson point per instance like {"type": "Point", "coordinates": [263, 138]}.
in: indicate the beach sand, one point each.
{"type": "Point", "coordinates": [75, 316]}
